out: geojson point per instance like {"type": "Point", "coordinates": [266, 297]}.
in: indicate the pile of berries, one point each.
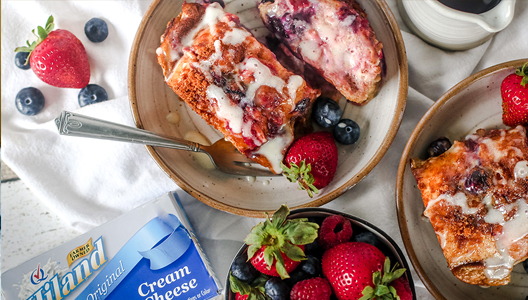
{"type": "Point", "coordinates": [315, 259]}
{"type": "Point", "coordinates": [59, 59]}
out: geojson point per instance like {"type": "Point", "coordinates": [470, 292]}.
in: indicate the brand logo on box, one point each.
{"type": "Point", "coordinates": [38, 275]}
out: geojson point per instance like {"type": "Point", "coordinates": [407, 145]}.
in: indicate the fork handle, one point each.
{"type": "Point", "coordinates": [72, 124]}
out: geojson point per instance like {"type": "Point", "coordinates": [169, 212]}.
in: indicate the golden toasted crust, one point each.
{"type": "Point", "coordinates": [472, 197]}
{"type": "Point", "coordinates": [231, 80]}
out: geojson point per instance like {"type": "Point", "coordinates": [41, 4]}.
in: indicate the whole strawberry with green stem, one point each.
{"type": "Point", "coordinates": [252, 291]}
{"type": "Point", "coordinates": [311, 161]}
{"type": "Point", "coordinates": [276, 247]}
{"type": "Point", "coordinates": [58, 57]}
{"type": "Point", "coordinates": [514, 93]}
{"type": "Point", "coordinates": [358, 270]}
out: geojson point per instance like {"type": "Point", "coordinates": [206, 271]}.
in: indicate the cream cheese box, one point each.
{"type": "Point", "coordinates": [149, 253]}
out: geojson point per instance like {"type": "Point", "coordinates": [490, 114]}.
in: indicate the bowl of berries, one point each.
{"type": "Point", "coordinates": [461, 188]}
{"type": "Point", "coordinates": [318, 254]}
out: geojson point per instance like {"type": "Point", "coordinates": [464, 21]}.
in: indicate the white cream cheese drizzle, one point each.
{"type": "Point", "coordinates": [274, 148]}
{"type": "Point", "coordinates": [498, 266]}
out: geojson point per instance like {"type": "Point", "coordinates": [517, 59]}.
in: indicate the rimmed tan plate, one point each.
{"type": "Point", "coordinates": [151, 100]}
{"type": "Point", "coordinates": [471, 104]}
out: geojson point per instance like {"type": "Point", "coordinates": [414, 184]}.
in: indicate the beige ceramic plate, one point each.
{"type": "Point", "coordinates": [472, 104]}
{"type": "Point", "coordinates": [151, 100]}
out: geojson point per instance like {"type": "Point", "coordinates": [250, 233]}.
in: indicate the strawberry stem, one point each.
{"type": "Point", "coordinates": [281, 236]}
{"type": "Point", "coordinates": [382, 288]}
{"type": "Point", "coordinates": [523, 71]}
{"type": "Point", "coordinates": [42, 34]}
{"type": "Point", "coordinates": [301, 174]}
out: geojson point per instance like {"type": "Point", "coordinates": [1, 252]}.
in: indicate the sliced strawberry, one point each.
{"type": "Point", "coordinates": [514, 93]}
{"type": "Point", "coordinates": [58, 57]}
{"type": "Point", "coordinates": [312, 161]}
{"type": "Point", "coordinates": [277, 247]}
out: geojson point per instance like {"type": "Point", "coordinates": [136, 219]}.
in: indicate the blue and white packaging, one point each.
{"type": "Point", "coordinates": [150, 253]}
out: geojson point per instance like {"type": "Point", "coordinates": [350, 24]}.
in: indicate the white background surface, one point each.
{"type": "Point", "coordinates": [34, 219]}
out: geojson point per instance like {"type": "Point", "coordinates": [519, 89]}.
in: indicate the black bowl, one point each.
{"type": "Point", "coordinates": [388, 245]}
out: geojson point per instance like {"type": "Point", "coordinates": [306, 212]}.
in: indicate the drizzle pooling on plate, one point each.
{"type": "Point", "coordinates": [233, 82]}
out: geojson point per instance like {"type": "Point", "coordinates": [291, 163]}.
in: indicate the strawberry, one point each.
{"type": "Point", "coordinates": [349, 268]}
{"type": "Point", "coordinates": [276, 247]}
{"type": "Point", "coordinates": [388, 285]}
{"type": "Point", "coordinates": [334, 230]}
{"type": "Point", "coordinates": [514, 92]}
{"type": "Point", "coordinates": [243, 291]}
{"type": "Point", "coordinates": [259, 262]}
{"type": "Point", "coordinates": [403, 290]}
{"type": "Point", "coordinates": [311, 289]}
{"type": "Point", "coordinates": [311, 161]}
{"type": "Point", "coordinates": [58, 57]}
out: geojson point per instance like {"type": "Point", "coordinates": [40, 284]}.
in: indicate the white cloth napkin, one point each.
{"type": "Point", "coordinates": [88, 182]}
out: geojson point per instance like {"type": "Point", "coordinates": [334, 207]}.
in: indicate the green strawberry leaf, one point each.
{"type": "Point", "coordinates": [281, 235]}
{"type": "Point", "coordinates": [295, 253]}
{"type": "Point", "coordinates": [301, 174]}
{"type": "Point", "coordinates": [381, 290]}
{"type": "Point", "coordinates": [301, 233]}
{"type": "Point", "coordinates": [394, 293]}
{"type": "Point", "coordinates": [256, 295]}
{"type": "Point", "coordinates": [268, 256]}
{"type": "Point", "coordinates": [279, 217]}
{"type": "Point", "coordinates": [49, 24]}
{"type": "Point", "coordinates": [23, 49]}
{"type": "Point", "coordinates": [398, 273]}
{"type": "Point", "coordinates": [252, 249]}
{"type": "Point", "coordinates": [238, 286]}
{"type": "Point", "coordinates": [279, 265]}
{"type": "Point", "coordinates": [368, 293]}
{"type": "Point", "coordinates": [41, 35]}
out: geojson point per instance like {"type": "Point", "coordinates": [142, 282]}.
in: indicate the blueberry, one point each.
{"type": "Point", "coordinates": [477, 182]}
{"type": "Point", "coordinates": [346, 132]}
{"type": "Point", "coordinates": [314, 249]}
{"type": "Point", "coordinates": [275, 26]}
{"type": "Point", "coordinates": [525, 265]}
{"type": "Point", "coordinates": [20, 60]}
{"type": "Point", "coordinates": [91, 94]}
{"type": "Point", "coordinates": [438, 146]}
{"type": "Point", "coordinates": [276, 289]}
{"type": "Point", "coordinates": [311, 266]}
{"type": "Point", "coordinates": [96, 30]}
{"type": "Point", "coordinates": [326, 112]}
{"type": "Point", "coordinates": [29, 101]}
{"type": "Point", "coordinates": [296, 275]}
{"type": "Point", "coordinates": [367, 237]}
{"type": "Point", "coordinates": [244, 270]}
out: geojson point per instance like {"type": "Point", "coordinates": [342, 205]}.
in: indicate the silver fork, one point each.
{"type": "Point", "coordinates": [223, 154]}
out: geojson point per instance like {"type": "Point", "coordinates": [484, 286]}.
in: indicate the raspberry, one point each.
{"type": "Point", "coordinates": [311, 289]}
{"type": "Point", "coordinates": [334, 230]}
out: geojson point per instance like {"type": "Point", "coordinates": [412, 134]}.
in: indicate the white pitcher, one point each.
{"type": "Point", "coordinates": [453, 29]}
